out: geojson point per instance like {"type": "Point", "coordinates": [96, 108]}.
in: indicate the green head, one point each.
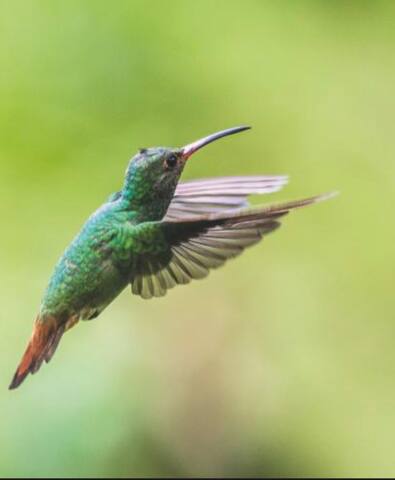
{"type": "Point", "coordinates": [152, 175]}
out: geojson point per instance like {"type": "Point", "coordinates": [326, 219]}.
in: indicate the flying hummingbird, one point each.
{"type": "Point", "coordinates": [154, 234]}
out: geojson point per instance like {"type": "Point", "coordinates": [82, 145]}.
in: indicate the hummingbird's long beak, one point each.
{"type": "Point", "coordinates": [188, 150]}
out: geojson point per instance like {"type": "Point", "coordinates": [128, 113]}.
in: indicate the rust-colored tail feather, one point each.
{"type": "Point", "coordinates": [42, 345]}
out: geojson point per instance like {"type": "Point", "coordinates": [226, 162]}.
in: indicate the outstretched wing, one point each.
{"type": "Point", "coordinates": [203, 197]}
{"type": "Point", "coordinates": [181, 250]}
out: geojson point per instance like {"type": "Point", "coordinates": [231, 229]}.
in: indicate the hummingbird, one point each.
{"type": "Point", "coordinates": [153, 234]}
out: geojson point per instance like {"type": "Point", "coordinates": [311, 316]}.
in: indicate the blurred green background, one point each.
{"type": "Point", "coordinates": [281, 363]}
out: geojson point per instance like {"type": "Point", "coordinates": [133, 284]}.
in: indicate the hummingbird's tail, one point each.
{"type": "Point", "coordinates": [45, 338]}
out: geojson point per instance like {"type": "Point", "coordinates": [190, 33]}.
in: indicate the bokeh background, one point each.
{"type": "Point", "coordinates": [281, 363]}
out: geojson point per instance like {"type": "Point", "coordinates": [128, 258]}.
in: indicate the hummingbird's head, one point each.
{"type": "Point", "coordinates": [152, 175]}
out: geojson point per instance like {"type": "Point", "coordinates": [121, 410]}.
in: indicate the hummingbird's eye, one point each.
{"type": "Point", "coordinates": [171, 161]}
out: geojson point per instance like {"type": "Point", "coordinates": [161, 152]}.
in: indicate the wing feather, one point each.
{"type": "Point", "coordinates": [202, 197]}
{"type": "Point", "coordinates": [196, 245]}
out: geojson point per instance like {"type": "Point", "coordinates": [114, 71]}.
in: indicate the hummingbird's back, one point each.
{"type": "Point", "coordinates": [86, 278]}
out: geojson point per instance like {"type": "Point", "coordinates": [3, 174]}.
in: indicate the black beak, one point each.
{"type": "Point", "coordinates": [188, 150]}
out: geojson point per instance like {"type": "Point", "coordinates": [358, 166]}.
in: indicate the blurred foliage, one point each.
{"type": "Point", "coordinates": [281, 363]}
